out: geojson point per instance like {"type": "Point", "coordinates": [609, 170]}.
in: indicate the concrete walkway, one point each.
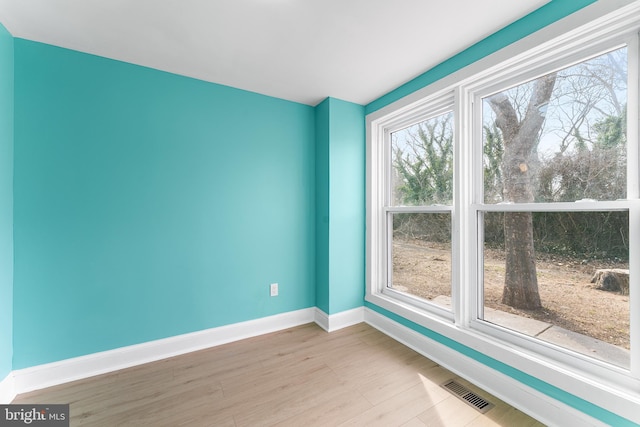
{"type": "Point", "coordinates": [553, 334]}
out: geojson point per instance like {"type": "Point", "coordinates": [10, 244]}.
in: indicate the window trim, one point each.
{"type": "Point", "coordinates": [486, 86]}
{"type": "Point", "coordinates": [439, 103]}
{"type": "Point", "coordinates": [605, 385]}
{"type": "Point", "coordinates": [435, 106]}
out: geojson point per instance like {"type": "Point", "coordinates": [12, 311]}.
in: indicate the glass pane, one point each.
{"type": "Point", "coordinates": [421, 256]}
{"type": "Point", "coordinates": [422, 163]}
{"type": "Point", "coordinates": [559, 138]}
{"type": "Point", "coordinates": [562, 277]}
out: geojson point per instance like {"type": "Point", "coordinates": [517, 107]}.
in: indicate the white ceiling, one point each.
{"type": "Point", "coordinates": [300, 50]}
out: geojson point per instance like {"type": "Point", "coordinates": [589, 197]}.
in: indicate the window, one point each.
{"type": "Point", "coordinates": [419, 210]}
{"type": "Point", "coordinates": [504, 209]}
{"type": "Point", "coordinates": [555, 207]}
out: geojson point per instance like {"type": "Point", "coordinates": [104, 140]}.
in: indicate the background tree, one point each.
{"type": "Point", "coordinates": [423, 160]}
{"type": "Point", "coordinates": [493, 151]}
{"type": "Point", "coordinates": [423, 175]}
{"type": "Point", "coordinates": [592, 170]}
{"type": "Point", "coordinates": [596, 170]}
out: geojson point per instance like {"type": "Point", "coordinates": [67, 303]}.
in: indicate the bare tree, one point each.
{"type": "Point", "coordinates": [521, 133]}
{"type": "Point", "coordinates": [559, 138]}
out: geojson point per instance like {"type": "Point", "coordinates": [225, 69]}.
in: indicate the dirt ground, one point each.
{"type": "Point", "coordinates": [569, 300]}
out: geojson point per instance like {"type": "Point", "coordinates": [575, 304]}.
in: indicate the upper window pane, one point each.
{"type": "Point", "coordinates": [559, 138]}
{"type": "Point", "coordinates": [422, 163]}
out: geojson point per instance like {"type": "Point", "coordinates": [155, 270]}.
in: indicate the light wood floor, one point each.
{"type": "Point", "coordinates": [299, 377]}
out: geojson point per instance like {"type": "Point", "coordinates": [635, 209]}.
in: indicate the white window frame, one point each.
{"type": "Point", "coordinates": [474, 94]}
{"type": "Point", "coordinates": [432, 107]}
{"type": "Point", "coordinates": [577, 374]}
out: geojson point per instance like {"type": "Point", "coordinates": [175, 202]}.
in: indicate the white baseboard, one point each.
{"type": "Point", "coordinates": [340, 320]}
{"type": "Point", "coordinates": [50, 374]}
{"type": "Point", "coordinates": [7, 389]}
{"type": "Point", "coordinates": [517, 394]}
{"type": "Point", "coordinates": [538, 405]}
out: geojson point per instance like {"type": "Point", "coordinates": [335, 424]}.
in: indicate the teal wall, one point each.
{"type": "Point", "coordinates": [346, 205]}
{"type": "Point", "coordinates": [149, 205]}
{"type": "Point", "coordinates": [6, 202]}
{"type": "Point", "coordinates": [322, 206]}
{"type": "Point", "coordinates": [553, 11]}
{"type": "Point", "coordinates": [340, 205]}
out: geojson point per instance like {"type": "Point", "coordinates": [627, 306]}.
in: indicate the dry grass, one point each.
{"type": "Point", "coordinates": [569, 300]}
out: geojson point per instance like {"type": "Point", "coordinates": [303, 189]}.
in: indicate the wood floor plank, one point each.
{"type": "Point", "coordinates": [395, 382]}
{"type": "Point", "coordinates": [504, 415]}
{"type": "Point", "coordinates": [295, 400]}
{"type": "Point", "coordinates": [399, 409]}
{"type": "Point", "coordinates": [302, 376]}
{"type": "Point", "coordinates": [274, 378]}
{"type": "Point", "coordinates": [414, 422]}
{"type": "Point", "coordinates": [449, 412]}
{"type": "Point", "coordinates": [338, 408]}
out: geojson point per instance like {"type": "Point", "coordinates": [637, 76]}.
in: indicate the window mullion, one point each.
{"type": "Point", "coordinates": [615, 205]}
{"type": "Point", "coordinates": [465, 258]}
{"type": "Point", "coordinates": [633, 131]}
{"type": "Point", "coordinates": [633, 192]}
{"type": "Point", "coordinates": [634, 286]}
{"type": "Point", "coordinates": [418, 209]}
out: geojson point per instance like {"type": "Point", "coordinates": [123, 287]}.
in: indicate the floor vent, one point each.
{"type": "Point", "coordinates": [468, 396]}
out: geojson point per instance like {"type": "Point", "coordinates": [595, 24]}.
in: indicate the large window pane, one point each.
{"type": "Point", "coordinates": [421, 256]}
{"type": "Point", "coordinates": [422, 163]}
{"type": "Point", "coordinates": [568, 250]}
{"type": "Point", "coordinates": [559, 138]}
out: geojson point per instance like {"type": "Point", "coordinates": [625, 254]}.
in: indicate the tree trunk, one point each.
{"type": "Point", "coordinates": [520, 158]}
{"type": "Point", "coordinates": [521, 280]}
{"type": "Point", "coordinates": [612, 279]}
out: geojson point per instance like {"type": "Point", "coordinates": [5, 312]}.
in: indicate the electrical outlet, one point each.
{"type": "Point", "coordinates": [274, 289]}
